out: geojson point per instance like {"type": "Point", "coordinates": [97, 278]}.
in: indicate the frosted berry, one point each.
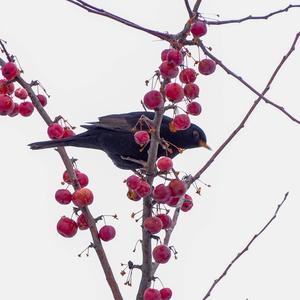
{"type": "Point", "coordinates": [174, 57]}
{"type": "Point", "coordinates": [133, 182]}
{"type": "Point", "coordinates": [164, 164]}
{"type": "Point", "coordinates": [82, 179]}
{"type": "Point", "coordinates": [10, 71]}
{"type": "Point", "coordinates": [107, 233]}
{"type": "Point", "coordinates": [63, 196]}
{"type": "Point", "coordinates": [191, 90]}
{"type": "Point", "coordinates": [144, 189]}
{"type": "Point", "coordinates": [164, 54]}
{"type": "Point", "coordinates": [142, 137]}
{"type": "Point", "coordinates": [21, 93]}
{"type": "Point", "coordinates": [6, 104]}
{"type": "Point", "coordinates": [55, 131]}
{"type": "Point", "coordinates": [68, 132]}
{"type": "Point", "coordinates": [82, 222]}
{"type": "Point", "coordinates": [206, 66]}
{"type": "Point", "coordinates": [166, 220]}
{"type": "Point", "coordinates": [181, 122]}
{"type": "Point", "coordinates": [6, 88]}
{"type": "Point", "coordinates": [198, 28]}
{"type": "Point", "coordinates": [174, 92]}
{"type": "Point", "coordinates": [82, 197]}
{"type": "Point", "coordinates": [187, 203]}
{"type": "Point", "coordinates": [173, 201]}
{"type": "Point", "coordinates": [177, 187]}
{"type": "Point", "coordinates": [165, 294]}
{"type": "Point", "coordinates": [26, 109]}
{"type": "Point", "coordinates": [168, 71]}
{"type": "Point", "coordinates": [152, 294]}
{"type": "Point", "coordinates": [153, 99]}
{"type": "Point", "coordinates": [153, 224]}
{"type": "Point", "coordinates": [15, 110]}
{"type": "Point", "coordinates": [161, 254]}
{"type": "Point", "coordinates": [187, 75]}
{"type": "Point", "coordinates": [161, 193]}
{"type": "Point", "coordinates": [42, 99]}
{"type": "Point", "coordinates": [66, 227]}
{"type": "Point", "coordinates": [193, 108]}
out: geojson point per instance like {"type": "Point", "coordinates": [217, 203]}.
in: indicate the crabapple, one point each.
{"type": "Point", "coordinates": [198, 28]}
{"type": "Point", "coordinates": [164, 164]}
{"type": "Point", "coordinates": [144, 189]}
{"type": "Point", "coordinates": [68, 132]}
{"type": "Point", "coordinates": [142, 137]}
{"type": "Point", "coordinates": [55, 131]}
{"type": "Point", "coordinates": [181, 122]}
{"type": "Point", "coordinates": [166, 220]}
{"type": "Point", "coordinates": [153, 224]}
{"type": "Point", "coordinates": [174, 57]}
{"type": "Point", "coordinates": [187, 203]}
{"type": "Point", "coordinates": [174, 92]}
{"type": "Point", "coordinates": [66, 227]}
{"type": "Point", "coordinates": [82, 197]}
{"type": "Point", "coordinates": [21, 93]}
{"type": "Point", "coordinates": [82, 222]}
{"type": "Point", "coordinates": [133, 182]}
{"type": "Point", "coordinates": [42, 99]}
{"type": "Point", "coordinates": [161, 254]}
{"type": "Point", "coordinates": [193, 108]}
{"type": "Point", "coordinates": [152, 294]}
{"type": "Point", "coordinates": [166, 293]}
{"type": "Point", "coordinates": [187, 75]}
{"type": "Point", "coordinates": [107, 233]}
{"type": "Point", "coordinates": [6, 104]}
{"type": "Point", "coordinates": [161, 193]}
{"type": "Point", "coordinates": [63, 196]}
{"type": "Point", "coordinates": [164, 54]}
{"type": "Point", "coordinates": [177, 187]}
{"type": "Point", "coordinates": [5, 87]}
{"type": "Point", "coordinates": [10, 71]}
{"type": "Point", "coordinates": [206, 66]}
{"type": "Point", "coordinates": [15, 110]}
{"type": "Point", "coordinates": [153, 99]}
{"type": "Point", "coordinates": [191, 90]}
{"type": "Point", "coordinates": [26, 108]}
{"type": "Point", "coordinates": [168, 71]}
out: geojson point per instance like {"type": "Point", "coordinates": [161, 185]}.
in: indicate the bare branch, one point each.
{"type": "Point", "coordinates": [245, 249]}
{"type": "Point", "coordinates": [242, 124]}
{"type": "Point", "coordinates": [196, 6]}
{"type": "Point", "coordinates": [188, 8]}
{"type": "Point", "coordinates": [265, 17]}
{"type": "Point", "coordinates": [93, 9]}
{"type": "Point", "coordinates": [245, 83]}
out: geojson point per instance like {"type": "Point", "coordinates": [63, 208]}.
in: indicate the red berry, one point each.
{"type": "Point", "coordinates": [15, 110]}
{"type": "Point", "coordinates": [83, 197]}
{"type": "Point", "coordinates": [166, 221]}
{"type": "Point", "coordinates": [153, 224]}
{"type": "Point", "coordinates": [66, 227]}
{"type": "Point", "coordinates": [26, 108]}
{"type": "Point", "coordinates": [161, 193]}
{"type": "Point", "coordinates": [181, 122]}
{"type": "Point", "coordinates": [21, 93]}
{"type": "Point", "coordinates": [164, 164]}
{"type": "Point", "coordinates": [164, 54]}
{"type": "Point", "coordinates": [191, 90]}
{"type": "Point", "coordinates": [173, 201]}
{"type": "Point", "coordinates": [198, 28]}
{"type": "Point", "coordinates": [187, 204]}
{"type": "Point", "coordinates": [63, 196]}
{"type": "Point", "coordinates": [10, 71]}
{"type": "Point", "coordinates": [177, 187]}
{"type": "Point", "coordinates": [152, 294]}
{"type": "Point", "coordinates": [42, 99]}
{"type": "Point", "coordinates": [174, 57]}
{"type": "Point", "coordinates": [133, 182]}
{"type": "Point", "coordinates": [142, 137]}
{"type": "Point", "coordinates": [161, 254]}
{"type": "Point", "coordinates": [153, 99]}
{"type": "Point", "coordinates": [68, 132]}
{"type": "Point", "coordinates": [82, 178]}
{"type": "Point", "coordinates": [82, 222]}
{"type": "Point", "coordinates": [132, 195]}
{"type": "Point", "coordinates": [194, 108]}
{"type": "Point", "coordinates": [168, 71]}
{"type": "Point", "coordinates": [187, 75]}
{"type": "Point", "coordinates": [174, 92]}
{"type": "Point", "coordinates": [165, 293]}
{"type": "Point", "coordinates": [206, 66]}
{"type": "Point", "coordinates": [6, 104]}
{"type": "Point", "coordinates": [5, 87]}
{"type": "Point", "coordinates": [66, 177]}
{"type": "Point", "coordinates": [107, 233]}
{"type": "Point", "coordinates": [55, 131]}
{"type": "Point", "coordinates": [144, 189]}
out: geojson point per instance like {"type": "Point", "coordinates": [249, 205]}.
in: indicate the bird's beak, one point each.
{"type": "Point", "coordinates": [203, 144]}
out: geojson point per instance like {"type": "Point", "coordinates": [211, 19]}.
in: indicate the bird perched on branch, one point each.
{"type": "Point", "coordinates": [114, 134]}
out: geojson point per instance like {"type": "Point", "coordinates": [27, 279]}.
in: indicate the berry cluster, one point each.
{"type": "Point", "coordinates": [9, 94]}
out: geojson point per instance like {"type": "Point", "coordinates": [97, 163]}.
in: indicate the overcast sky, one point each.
{"type": "Point", "coordinates": [92, 66]}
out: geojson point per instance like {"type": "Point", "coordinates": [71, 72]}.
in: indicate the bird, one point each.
{"type": "Point", "coordinates": [114, 134]}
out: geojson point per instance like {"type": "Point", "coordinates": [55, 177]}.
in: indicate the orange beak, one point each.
{"type": "Point", "coordinates": [203, 144]}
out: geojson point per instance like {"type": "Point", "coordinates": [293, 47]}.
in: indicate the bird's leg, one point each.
{"type": "Point", "coordinates": [143, 120]}
{"type": "Point", "coordinates": [140, 162]}
{"type": "Point", "coordinates": [166, 145]}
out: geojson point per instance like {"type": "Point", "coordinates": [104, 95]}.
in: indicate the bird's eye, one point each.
{"type": "Point", "coordinates": [196, 135]}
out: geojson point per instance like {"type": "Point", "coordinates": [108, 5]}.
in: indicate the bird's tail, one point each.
{"type": "Point", "coordinates": [52, 144]}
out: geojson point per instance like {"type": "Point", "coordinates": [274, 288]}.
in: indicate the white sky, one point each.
{"type": "Point", "coordinates": [93, 66]}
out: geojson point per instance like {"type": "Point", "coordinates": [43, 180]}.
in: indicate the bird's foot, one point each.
{"type": "Point", "coordinates": [140, 162]}
{"type": "Point", "coordinates": [143, 120]}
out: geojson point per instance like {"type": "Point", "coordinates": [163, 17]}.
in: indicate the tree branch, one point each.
{"type": "Point", "coordinates": [196, 6]}
{"type": "Point", "coordinates": [69, 166]}
{"type": "Point", "coordinates": [242, 124]}
{"type": "Point", "coordinates": [245, 249]}
{"type": "Point", "coordinates": [188, 8]}
{"type": "Point", "coordinates": [265, 17]}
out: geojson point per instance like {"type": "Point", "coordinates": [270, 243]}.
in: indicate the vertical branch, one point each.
{"type": "Point", "coordinates": [188, 8]}
{"type": "Point", "coordinates": [196, 6]}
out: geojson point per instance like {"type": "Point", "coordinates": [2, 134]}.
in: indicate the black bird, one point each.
{"type": "Point", "coordinates": [113, 134]}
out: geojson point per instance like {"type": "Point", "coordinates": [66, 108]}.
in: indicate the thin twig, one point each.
{"type": "Point", "coordinates": [196, 6]}
{"type": "Point", "coordinates": [242, 124]}
{"type": "Point", "coordinates": [188, 8]}
{"type": "Point", "coordinates": [245, 83]}
{"type": "Point", "coordinates": [246, 248]}
{"type": "Point", "coordinates": [265, 17]}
